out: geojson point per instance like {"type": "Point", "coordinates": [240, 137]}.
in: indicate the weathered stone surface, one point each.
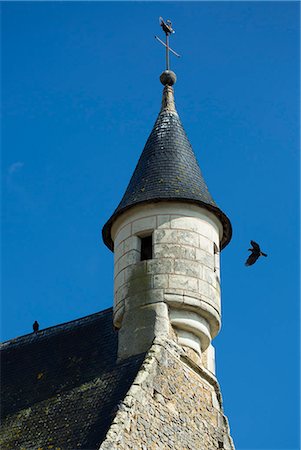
{"type": "Point", "coordinates": [129, 258]}
{"type": "Point", "coordinates": [192, 269]}
{"type": "Point", "coordinates": [174, 251]}
{"type": "Point", "coordinates": [205, 258]}
{"type": "Point", "coordinates": [123, 233]}
{"type": "Point", "coordinates": [145, 224]}
{"type": "Point", "coordinates": [157, 266]}
{"type": "Point", "coordinates": [183, 282]}
{"type": "Point", "coordinates": [165, 236]}
{"type": "Point", "coordinates": [185, 259]}
{"type": "Point", "coordinates": [172, 404]}
{"type": "Point", "coordinates": [140, 325]}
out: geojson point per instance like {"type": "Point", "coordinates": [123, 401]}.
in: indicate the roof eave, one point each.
{"type": "Point", "coordinates": [227, 227]}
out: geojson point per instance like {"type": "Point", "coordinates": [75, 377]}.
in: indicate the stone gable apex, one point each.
{"type": "Point", "coordinates": [172, 403]}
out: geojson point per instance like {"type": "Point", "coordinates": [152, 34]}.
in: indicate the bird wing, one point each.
{"type": "Point", "coordinates": [252, 259]}
{"type": "Point", "coordinates": [255, 245]}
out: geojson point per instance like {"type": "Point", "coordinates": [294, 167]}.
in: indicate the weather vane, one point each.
{"type": "Point", "coordinates": [166, 27]}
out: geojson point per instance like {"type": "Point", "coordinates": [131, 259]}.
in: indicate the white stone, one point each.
{"type": "Point", "coordinates": [144, 225]}
{"type": "Point", "coordinates": [209, 276]}
{"type": "Point", "coordinates": [144, 298]}
{"type": "Point", "coordinates": [203, 288]}
{"type": "Point", "coordinates": [128, 259]}
{"type": "Point", "coordinates": [163, 221]}
{"type": "Point", "coordinates": [132, 243]}
{"type": "Point", "coordinates": [205, 258]}
{"type": "Point", "coordinates": [119, 281]}
{"type": "Point", "coordinates": [160, 281]}
{"type": "Point", "coordinates": [165, 236]}
{"type": "Point", "coordinates": [118, 251]}
{"type": "Point", "coordinates": [162, 265]}
{"type": "Point", "coordinates": [178, 277]}
{"type": "Point", "coordinates": [191, 268]}
{"type": "Point", "coordinates": [123, 233]}
{"type": "Point", "coordinates": [189, 339]}
{"type": "Point", "coordinates": [206, 244]}
{"type": "Point", "coordinates": [121, 293]}
{"type": "Point", "coordinates": [183, 282]}
{"type": "Point", "coordinates": [211, 364]}
{"type": "Point", "coordinates": [174, 251]}
{"type": "Point", "coordinates": [192, 323]}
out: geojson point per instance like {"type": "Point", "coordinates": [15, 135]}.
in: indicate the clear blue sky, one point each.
{"type": "Point", "coordinates": [80, 94]}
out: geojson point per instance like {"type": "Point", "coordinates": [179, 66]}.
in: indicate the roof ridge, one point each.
{"type": "Point", "coordinates": [52, 329]}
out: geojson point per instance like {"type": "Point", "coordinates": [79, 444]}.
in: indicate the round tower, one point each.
{"type": "Point", "coordinates": [166, 234]}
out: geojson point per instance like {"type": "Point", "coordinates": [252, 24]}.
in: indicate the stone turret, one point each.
{"type": "Point", "coordinates": [166, 234]}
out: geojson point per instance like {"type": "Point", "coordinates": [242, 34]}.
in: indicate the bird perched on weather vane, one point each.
{"type": "Point", "coordinates": [168, 30]}
{"type": "Point", "coordinates": [166, 26]}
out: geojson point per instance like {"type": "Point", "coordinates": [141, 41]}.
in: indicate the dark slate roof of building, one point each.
{"type": "Point", "coordinates": [167, 171]}
{"type": "Point", "coordinates": [61, 387]}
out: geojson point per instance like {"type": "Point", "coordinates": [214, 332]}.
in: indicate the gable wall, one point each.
{"type": "Point", "coordinates": [171, 404]}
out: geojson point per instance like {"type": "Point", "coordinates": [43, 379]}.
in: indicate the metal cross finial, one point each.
{"type": "Point", "coordinates": [166, 27]}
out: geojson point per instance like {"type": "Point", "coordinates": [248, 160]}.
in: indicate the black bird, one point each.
{"type": "Point", "coordinates": [35, 326]}
{"type": "Point", "coordinates": [256, 252]}
{"type": "Point", "coordinates": [166, 26]}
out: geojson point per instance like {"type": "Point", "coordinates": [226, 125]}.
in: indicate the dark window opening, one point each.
{"type": "Point", "coordinates": [146, 247]}
{"type": "Point", "coordinates": [216, 256]}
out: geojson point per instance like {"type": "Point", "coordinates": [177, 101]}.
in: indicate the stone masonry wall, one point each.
{"type": "Point", "coordinates": [172, 404]}
{"type": "Point", "coordinates": [179, 286]}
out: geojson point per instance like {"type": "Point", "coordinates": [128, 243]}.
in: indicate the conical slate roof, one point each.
{"type": "Point", "coordinates": [167, 171]}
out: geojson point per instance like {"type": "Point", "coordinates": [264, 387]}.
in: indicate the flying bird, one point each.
{"type": "Point", "coordinates": [256, 252]}
{"type": "Point", "coordinates": [35, 326]}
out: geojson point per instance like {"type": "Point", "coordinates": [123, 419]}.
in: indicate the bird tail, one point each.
{"type": "Point", "coordinates": [263, 254]}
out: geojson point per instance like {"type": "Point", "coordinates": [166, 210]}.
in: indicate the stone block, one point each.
{"type": "Point", "coordinates": [121, 293]}
{"type": "Point", "coordinates": [157, 266]}
{"type": "Point", "coordinates": [211, 366]}
{"type": "Point", "coordinates": [174, 251]}
{"type": "Point", "coordinates": [174, 299]}
{"type": "Point", "coordinates": [137, 270]}
{"type": "Point", "coordinates": [132, 243]}
{"type": "Point", "coordinates": [198, 225]}
{"type": "Point", "coordinates": [205, 258]}
{"type": "Point", "coordinates": [160, 281]}
{"type": "Point", "coordinates": [191, 268]}
{"type": "Point", "coordinates": [146, 224]}
{"type": "Point", "coordinates": [203, 288]}
{"type": "Point", "coordinates": [209, 276]}
{"type": "Point", "coordinates": [182, 237]}
{"type": "Point", "coordinates": [140, 284]}
{"type": "Point", "coordinates": [184, 223]}
{"type": "Point", "coordinates": [206, 244]}
{"type": "Point", "coordinates": [215, 296]}
{"type": "Point", "coordinates": [188, 339]}
{"type": "Point", "coordinates": [123, 233]}
{"type": "Point", "coordinates": [139, 328]}
{"type": "Point", "coordinates": [144, 298]}
{"type": "Point", "coordinates": [118, 251]}
{"type": "Point", "coordinates": [183, 282]}
{"type": "Point", "coordinates": [119, 281]}
{"type": "Point", "coordinates": [129, 258]}
{"type": "Point", "coordinates": [163, 221]}
{"type": "Point", "coordinates": [118, 315]}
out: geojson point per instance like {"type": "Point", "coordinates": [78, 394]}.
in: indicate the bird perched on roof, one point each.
{"type": "Point", "coordinates": [35, 326]}
{"type": "Point", "coordinates": [256, 252]}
